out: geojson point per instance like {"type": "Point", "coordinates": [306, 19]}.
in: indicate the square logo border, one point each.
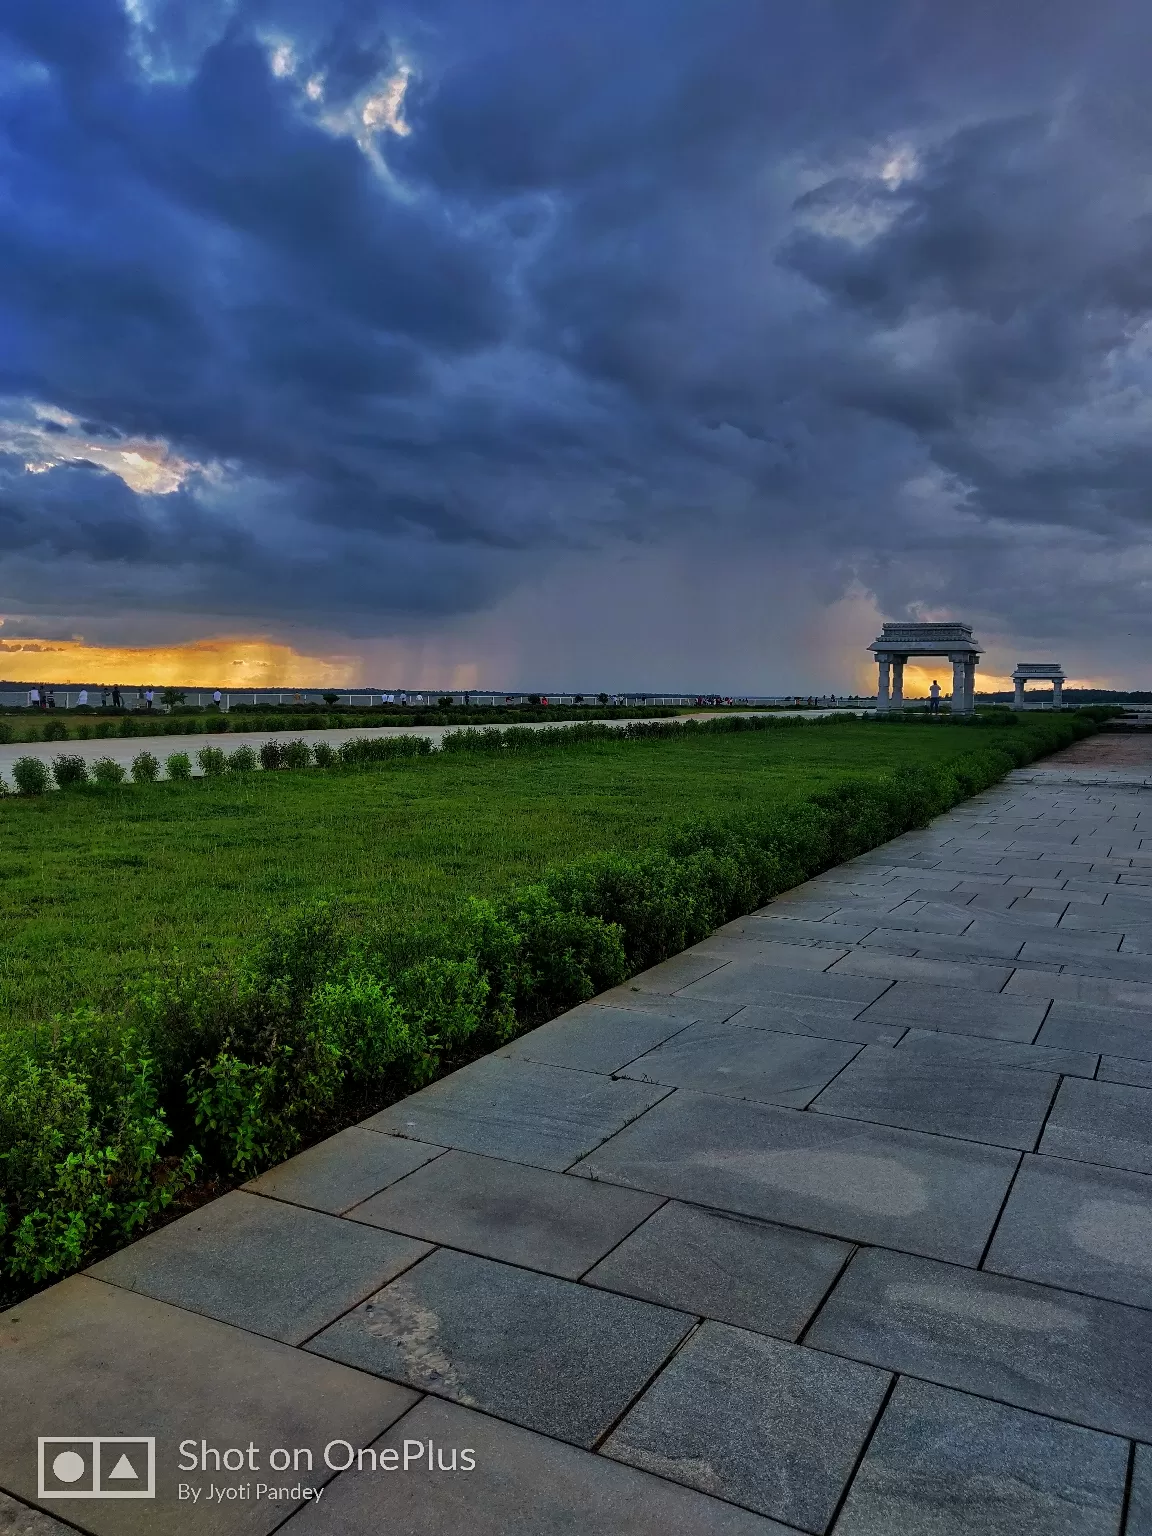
{"type": "Point", "coordinates": [97, 1491]}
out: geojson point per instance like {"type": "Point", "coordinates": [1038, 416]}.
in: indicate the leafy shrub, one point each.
{"type": "Point", "coordinates": [145, 768]}
{"type": "Point", "coordinates": [178, 765]}
{"type": "Point", "coordinates": [106, 771]}
{"type": "Point", "coordinates": [81, 1145]}
{"type": "Point", "coordinates": [212, 762]}
{"type": "Point", "coordinates": [296, 754]}
{"type": "Point", "coordinates": [5, 731]}
{"type": "Point", "coordinates": [242, 760]}
{"type": "Point", "coordinates": [324, 754]}
{"type": "Point", "coordinates": [271, 755]}
{"type": "Point", "coordinates": [444, 703]}
{"type": "Point", "coordinates": [69, 770]}
{"type": "Point", "coordinates": [55, 730]}
{"type": "Point", "coordinates": [329, 698]}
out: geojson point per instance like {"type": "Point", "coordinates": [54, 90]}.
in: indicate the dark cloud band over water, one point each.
{"type": "Point", "coordinates": [362, 319]}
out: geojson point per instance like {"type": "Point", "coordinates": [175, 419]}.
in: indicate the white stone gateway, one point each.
{"type": "Point", "coordinates": [899, 641]}
{"type": "Point", "coordinates": [1039, 672]}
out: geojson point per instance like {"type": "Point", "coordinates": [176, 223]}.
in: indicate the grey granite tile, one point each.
{"type": "Point", "coordinates": [1005, 1053]}
{"type": "Point", "coordinates": [827, 1017]}
{"type": "Point", "coordinates": [981, 1101]}
{"type": "Point", "coordinates": [278, 1270]}
{"type": "Point", "coordinates": [1140, 1497]}
{"type": "Point", "coordinates": [343, 1170]}
{"type": "Point", "coordinates": [802, 955]}
{"type": "Point", "coordinates": [1122, 1069]}
{"type": "Point", "coordinates": [1109, 1123]}
{"type": "Point", "coordinates": [522, 1484]}
{"type": "Point", "coordinates": [521, 1110]}
{"type": "Point", "coordinates": [973, 943]}
{"type": "Point", "coordinates": [1064, 942]}
{"type": "Point", "coordinates": [923, 1193]}
{"type": "Point", "coordinates": [561, 1358]}
{"type": "Point", "coordinates": [749, 1273]}
{"type": "Point", "coordinates": [743, 981]}
{"type": "Point", "coordinates": [957, 1011]}
{"type": "Point", "coordinates": [1113, 1031]}
{"type": "Point", "coordinates": [940, 973]}
{"type": "Point", "coordinates": [85, 1356]}
{"type": "Point", "coordinates": [1079, 1227]}
{"type": "Point", "coordinates": [769, 1425]}
{"type": "Point", "coordinates": [1094, 991]}
{"type": "Point", "coordinates": [791, 930]}
{"type": "Point", "coordinates": [927, 917]}
{"type": "Point", "coordinates": [597, 1039]}
{"type": "Point", "coordinates": [1054, 1352]}
{"type": "Point", "coordinates": [19, 1520]}
{"type": "Point", "coordinates": [1126, 967]}
{"type": "Point", "coordinates": [942, 1463]}
{"type": "Point", "coordinates": [745, 1063]}
{"type": "Point", "coordinates": [672, 975]}
{"type": "Point", "coordinates": [509, 1211]}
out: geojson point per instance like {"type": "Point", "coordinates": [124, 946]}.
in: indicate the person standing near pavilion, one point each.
{"type": "Point", "coordinates": [934, 698]}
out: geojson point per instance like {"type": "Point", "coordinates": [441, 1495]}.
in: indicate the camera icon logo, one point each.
{"type": "Point", "coordinates": [96, 1467]}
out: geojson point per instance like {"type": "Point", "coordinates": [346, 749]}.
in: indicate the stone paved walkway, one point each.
{"type": "Point", "coordinates": [840, 1221]}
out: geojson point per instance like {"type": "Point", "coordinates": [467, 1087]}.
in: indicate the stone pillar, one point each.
{"type": "Point", "coordinates": [898, 681]}
{"type": "Point", "coordinates": [882, 692]}
{"type": "Point", "coordinates": [1058, 693]}
{"type": "Point", "coordinates": [970, 685]}
{"type": "Point", "coordinates": [1018, 701]}
{"type": "Point", "coordinates": [958, 682]}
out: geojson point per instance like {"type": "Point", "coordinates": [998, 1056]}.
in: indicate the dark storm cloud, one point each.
{"type": "Point", "coordinates": [413, 302]}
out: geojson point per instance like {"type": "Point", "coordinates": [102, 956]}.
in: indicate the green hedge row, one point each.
{"type": "Point", "coordinates": [106, 1118]}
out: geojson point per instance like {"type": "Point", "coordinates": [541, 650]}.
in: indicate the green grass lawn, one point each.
{"type": "Point", "coordinates": [97, 887]}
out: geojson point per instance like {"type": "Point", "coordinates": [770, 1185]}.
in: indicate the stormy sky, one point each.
{"type": "Point", "coordinates": [627, 343]}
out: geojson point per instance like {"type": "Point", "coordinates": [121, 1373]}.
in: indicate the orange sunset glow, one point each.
{"type": "Point", "coordinates": [222, 661]}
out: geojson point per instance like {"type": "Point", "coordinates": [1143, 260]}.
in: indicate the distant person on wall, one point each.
{"type": "Point", "coordinates": [82, 696]}
{"type": "Point", "coordinates": [934, 698]}
{"type": "Point", "coordinates": [216, 698]}
{"type": "Point", "coordinates": [117, 702]}
{"type": "Point", "coordinates": [147, 698]}
{"type": "Point", "coordinates": [52, 700]}
{"type": "Point", "coordinates": [34, 698]}
{"type": "Point", "coordinates": [103, 698]}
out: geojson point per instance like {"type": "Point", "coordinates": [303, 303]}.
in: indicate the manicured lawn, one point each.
{"type": "Point", "coordinates": [99, 886]}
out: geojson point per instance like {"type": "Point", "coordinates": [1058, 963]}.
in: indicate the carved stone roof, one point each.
{"type": "Point", "coordinates": [926, 640]}
{"type": "Point", "coordinates": [1027, 669]}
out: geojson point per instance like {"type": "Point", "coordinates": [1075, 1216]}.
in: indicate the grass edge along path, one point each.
{"type": "Point", "coordinates": [106, 1118]}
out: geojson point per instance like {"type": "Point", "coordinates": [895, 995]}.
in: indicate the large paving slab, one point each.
{"type": "Point", "coordinates": [521, 1110]}
{"type": "Point", "coordinates": [927, 1194]}
{"type": "Point", "coordinates": [1079, 1227]}
{"type": "Point", "coordinates": [1109, 1123]}
{"type": "Point", "coordinates": [829, 1018]}
{"type": "Point", "coordinates": [343, 1170]}
{"type": "Point", "coordinates": [521, 1484]}
{"type": "Point", "coordinates": [983, 1101]}
{"type": "Point", "coordinates": [523, 1215]}
{"type": "Point", "coordinates": [769, 1425]}
{"type": "Point", "coordinates": [745, 1063]}
{"type": "Point", "coordinates": [753, 1274]}
{"type": "Point", "coordinates": [544, 1353]}
{"type": "Point", "coordinates": [943, 1463]}
{"type": "Point", "coordinates": [1113, 1031]}
{"type": "Point", "coordinates": [1047, 1350]}
{"type": "Point", "coordinates": [88, 1358]}
{"type": "Point", "coordinates": [272, 1268]}
{"type": "Point", "coordinates": [954, 1010]}
{"type": "Point", "coordinates": [598, 1039]}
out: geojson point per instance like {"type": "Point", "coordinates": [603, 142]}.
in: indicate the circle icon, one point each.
{"type": "Point", "coordinates": [68, 1467]}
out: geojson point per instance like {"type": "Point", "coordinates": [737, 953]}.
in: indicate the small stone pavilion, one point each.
{"type": "Point", "coordinates": [899, 641]}
{"type": "Point", "coordinates": [1039, 672]}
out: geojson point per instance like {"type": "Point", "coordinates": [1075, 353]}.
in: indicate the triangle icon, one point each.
{"type": "Point", "coordinates": [123, 1468]}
